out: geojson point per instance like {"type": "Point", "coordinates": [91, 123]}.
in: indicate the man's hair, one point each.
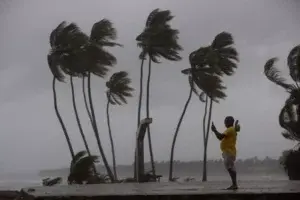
{"type": "Point", "coordinates": [229, 120]}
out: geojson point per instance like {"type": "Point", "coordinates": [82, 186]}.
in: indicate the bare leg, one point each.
{"type": "Point", "coordinates": [232, 174]}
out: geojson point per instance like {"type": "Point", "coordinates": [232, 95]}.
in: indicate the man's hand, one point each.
{"type": "Point", "coordinates": [237, 126]}
{"type": "Point", "coordinates": [213, 127]}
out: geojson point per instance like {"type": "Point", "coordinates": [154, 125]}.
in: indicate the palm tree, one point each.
{"type": "Point", "coordinates": [118, 89]}
{"type": "Point", "coordinates": [98, 60]}
{"type": "Point", "coordinates": [290, 113]}
{"type": "Point", "coordinates": [80, 55]}
{"type": "Point", "coordinates": [192, 89]}
{"type": "Point", "coordinates": [82, 168]}
{"type": "Point", "coordinates": [77, 117]}
{"type": "Point", "coordinates": [214, 61]}
{"type": "Point", "coordinates": [157, 40]}
{"type": "Point", "coordinates": [65, 41]}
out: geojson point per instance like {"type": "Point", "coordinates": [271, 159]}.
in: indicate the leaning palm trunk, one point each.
{"type": "Point", "coordinates": [111, 138]}
{"type": "Point", "coordinates": [148, 115]}
{"type": "Point", "coordinates": [176, 133]}
{"type": "Point", "coordinates": [60, 119]}
{"type": "Point", "coordinates": [95, 128]}
{"type": "Point", "coordinates": [139, 105]}
{"type": "Point", "coordinates": [77, 118]}
{"type": "Point", "coordinates": [141, 93]}
{"type": "Point", "coordinates": [204, 175]}
{"type": "Point", "coordinates": [85, 99]}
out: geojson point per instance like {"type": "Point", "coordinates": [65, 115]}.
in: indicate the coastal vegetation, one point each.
{"type": "Point", "coordinates": [76, 55]}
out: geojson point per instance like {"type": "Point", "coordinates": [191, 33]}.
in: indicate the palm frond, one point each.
{"type": "Point", "coordinates": [158, 39]}
{"type": "Point", "coordinates": [103, 33]}
{"type": "Point", "coordinates": [55, 33]}
{"type": "Point", "coordinates": [293, 61]}
{"type": "Point", "coordinates": [76, 158]}
{"type": "Point", "coordinates": [53, 63]}
{"type": "Point", "coordinates": [119, 88]}
{"type": "Point", "coordinates": [273, 74]}
{"type": "Point", "coordinates": [222, 40]}
{"type": "Point", "coordinates": [158, 17]}
{"type": "Point", "coordinates": [81, 169]}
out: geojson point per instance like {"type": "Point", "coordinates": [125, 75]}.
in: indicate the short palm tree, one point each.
{"type": "Point", "coordinates": [118, 89]}
{"type": "Point", "coordinates": [82, 168]}
{"type": "Point", "coordinates": [157, 40]}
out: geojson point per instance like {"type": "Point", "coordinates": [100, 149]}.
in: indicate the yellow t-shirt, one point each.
{"type": "Point", "coordinates": [229, 141]}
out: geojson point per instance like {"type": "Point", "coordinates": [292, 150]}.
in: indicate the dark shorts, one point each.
{"type": "Point", "coordinates": [229, 161]}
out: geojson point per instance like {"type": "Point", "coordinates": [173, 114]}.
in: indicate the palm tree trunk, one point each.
{"type": "Point", "coordinates": [204, 175]}
{"type": "Point", "coordinates": [60, 119]}
{"type": "Point", "coordinates": [95, 128]}
{"type": "Point", "coordinates": [204, 118]}
{"type": "Point", "coordinates": [111, 139]}
{"type": "Point", "coordinates": [176, 133]}
{"type": "Point", "coordinates": [148, 115]}
{"type": "Point", "coordinates": [77, 117]}
{"type": "Point", "coordinates": [85, 99]}
{"type": "Point", "coordinates": [141, 93]}
{"type": "Point", "coordinates": [139, 106]}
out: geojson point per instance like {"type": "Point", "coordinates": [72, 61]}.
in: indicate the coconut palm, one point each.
{"type": "Point", "coordinates": [80, 55]}
{"type": "Point", "coordinates": [213, 61]}
{"type": "Point", "coordinates": [65, 41]}
{"type": "Point", "coordinates": [289, 117]}
{"type": "Point", "coordinates": [102, 35]}
{"type": "Point", "coordinates": [157, 40]}
{"type": "Point", "coordinates": [82, 168]}
{"type": "Point", "coordinates": [192, 88]}
{"type": "Point", "coordinates": [118, 89]}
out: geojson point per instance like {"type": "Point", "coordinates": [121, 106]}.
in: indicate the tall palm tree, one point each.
{"type": "Point", "coordinates": [192, 89]}
{"type": "Point", "coordinates": [218, 59]}
{"type": "Point", "coordinates": [118, 89]}
{"type": "Point", "coordinates": [65, 40]}
{"type": "Point", "coordinates": [82, 55]}
{"type": "Point", "coordinates": [157, 40]}
{"type": "Point", "coordinates": [102, 35]}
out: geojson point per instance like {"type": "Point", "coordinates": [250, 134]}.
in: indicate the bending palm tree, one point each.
{"type": "Point", "coordinates": [118, 89]}
{"type": "Point", "coordinates": [192, 88]}
{"type": "Point", "coordinates": [64, 46]}
{"type": "Point", "coordinates": [218, 59]}
{"type": "Point", "coordinates": [290, 114]}
{"type": "Point", "coordinates": [102, 35]}
{"type": "Point", "coordinates": [157, 40]}
{"type": "Point", "coordinates": [80, 55]}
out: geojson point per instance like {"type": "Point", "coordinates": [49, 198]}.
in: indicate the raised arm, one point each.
{"type": "Point", "coordinates": [219, 135]}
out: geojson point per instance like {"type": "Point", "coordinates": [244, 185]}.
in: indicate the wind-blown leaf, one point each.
{"type": "Point", "coordinates": [119, 88]}
{"type": "Point", "coordinates": [273, 74]}
{"type": "Point", "coordinates": [222, 40]}
{"type": "Point", "coordinates": [293, 61]}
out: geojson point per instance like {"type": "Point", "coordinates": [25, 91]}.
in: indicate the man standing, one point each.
{"type": "Point", "coordinates": [228, 147]}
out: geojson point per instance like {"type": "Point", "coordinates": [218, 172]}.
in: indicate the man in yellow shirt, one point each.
{"type": "Point", "coordinates": [228, 147]}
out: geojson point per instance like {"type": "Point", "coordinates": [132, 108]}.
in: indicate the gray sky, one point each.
{"type": "Point", "coordinates": [31, 137]}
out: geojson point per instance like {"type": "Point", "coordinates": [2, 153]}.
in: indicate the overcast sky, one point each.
{"type": "Point", "coordinates": [30, 135]}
